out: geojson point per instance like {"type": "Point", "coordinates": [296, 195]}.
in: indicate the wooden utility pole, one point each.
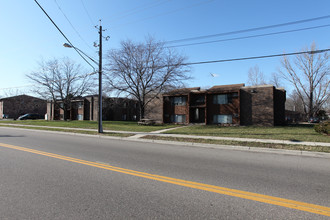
{"type": "Point", "coordinates": [100, 129]}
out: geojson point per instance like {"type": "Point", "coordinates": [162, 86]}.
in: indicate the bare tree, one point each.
{"type": "Point", "coordinates": [326, 106]}
{"type": "Point", "coordinates": [294, 103]}
{"type": "Point", "coordinates": [256, 77]}
{"type": "Point", "coordinates": [144, 70]}
{"type": "Point", "coordinates": [13, 92]}
{"type": "Point", "coordinates": [309, 74]}
{"type": "Point", "coordinates": [60, 80]}
{"type": "Point", "coordinates": [276, 80]}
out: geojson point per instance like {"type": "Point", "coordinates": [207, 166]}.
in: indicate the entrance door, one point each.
{"type": "Point", "coordinates": [198, 115]}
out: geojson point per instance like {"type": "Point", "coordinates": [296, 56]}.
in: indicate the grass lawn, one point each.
{"type": "Point", "coordinates": [107, 125]}
{"type": "Point", "coordinates": [75, 131]}
{"type": "Point", "coordinates": [293, 133]}
{"type": "Point", "coordinates": [243, 143]}
{"type": "Point", "coordinates": [297, 133]}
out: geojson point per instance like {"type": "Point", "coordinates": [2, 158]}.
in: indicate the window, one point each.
{"type": "Point", "coordinates": [222, 119]}
{"type": "Point", "coordinates": [80, 117]}
{"type": "Point", "coordinates": [200, 99]}
{"type": "Point", "coordinates": [224, 98]}
{"type": "Point", "coordinates": [80, 104]}
{"type": "Point", "coordinates": [179, 100]}
{"type": "Point", "coordinates": [220, 99]}
{"type": "Point", "coordinates": [178, 118]}
{"type": "Point", "coordinates": [196, 115]}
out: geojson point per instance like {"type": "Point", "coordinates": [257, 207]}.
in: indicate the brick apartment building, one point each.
{"type": "Point", "coordinates": [154, 109]}
{"type": "Point", "coordinates": [86, 108]}
{"type": "Point", "coordinates": [226, 104]}
{"type": "Point", "coordinates": [15, 106]}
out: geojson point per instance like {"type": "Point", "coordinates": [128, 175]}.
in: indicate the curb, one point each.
{"type": "Point", "coordinates": [199, 145]}
{"type": "Point", "coordinates": [139, 134]}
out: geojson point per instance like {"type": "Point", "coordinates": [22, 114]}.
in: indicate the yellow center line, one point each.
{"type": "Point", "coordinates": [307, 207]}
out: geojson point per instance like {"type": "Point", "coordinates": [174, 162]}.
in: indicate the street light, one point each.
{"type": "Point", "coordinates": [70, 46]}
{"type": "Point", "coordinates": [100, 129]}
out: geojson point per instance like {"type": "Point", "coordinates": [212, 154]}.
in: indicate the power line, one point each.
{"type": "Point", "coordinates": [215, 61]}
{"type": "Point", "coordinates": [63, 34]}
{"type": "Point", "coordinates": [134, 9]}
{"type": "Point", "coordinates": [139, 9]}
{"type": "Point", "coordinates": [72, 25]}
{"type": "Point", "coordinates": [249, 29]}
{"type": "Point", "coordinates": [250, 36]}
{"type": "Point", "coordinates": [253, 58]}
{"type": "Point", "coordinates": [165, 13]}
{"type": "Point", "coordinates": [212, 61]}
{"type": "Point", "coordinates": [88, 15]}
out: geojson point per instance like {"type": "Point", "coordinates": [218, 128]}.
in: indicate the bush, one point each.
{"type": "Point", "coordinates": [323, 127]}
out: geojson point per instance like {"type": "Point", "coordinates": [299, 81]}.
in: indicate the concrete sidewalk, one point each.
{"type": "Point", "coordinates": [138, 135]}
{"type": "Point", "coordinates": [249, 140]}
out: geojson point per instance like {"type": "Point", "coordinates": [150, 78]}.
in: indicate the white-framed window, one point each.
{"type": "Point", "coordinates": [220, 99]}
{"type": "Point", "coordinates": [224, 98]}
{"type": "Point", "coordinates": [178, 118]}
{"type": "Point", "coordinates": [222, 119]}
{"type": "Point", "coordinates": [80, 117]}
{"type": "Point", "coordinates": [179, 100]}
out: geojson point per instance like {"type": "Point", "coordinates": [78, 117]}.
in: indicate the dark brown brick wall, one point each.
{"type": "Point", "coordinates": [170, 109]}
{"type": "Point", "coordinates": [114, 109]}
{"type": "Point", "coordinates": [154, 109]}
{"type": "Point", "coordinates": [223, 109]}
{"type": "Point", "coordinates": [245, 107]}
{"type": "Point", "coordinates": [19, 105]}
{"type": "Point", "coordinates": [279, 107]}
{"type": "Point", "coordinates": [120, 109]}
{"type": "Point", "coordinates": [257, 105]}
{"type": "Point", "coordinates": [87, 108]}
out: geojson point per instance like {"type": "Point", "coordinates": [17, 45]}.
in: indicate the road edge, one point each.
{"type": "Point", "coordinates": [192, 144]}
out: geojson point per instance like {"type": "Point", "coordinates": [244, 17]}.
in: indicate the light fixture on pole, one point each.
{"type": "Point", "coordinates": [100, 129]}
{"type": "Point", "coordinates": [70, 46]}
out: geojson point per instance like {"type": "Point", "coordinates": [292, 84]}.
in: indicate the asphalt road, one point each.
{"type": "Point", "coordinates": [58, 176]}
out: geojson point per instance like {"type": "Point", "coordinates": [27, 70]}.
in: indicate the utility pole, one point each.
{"type": "Point", "coordinates": [100, 129]}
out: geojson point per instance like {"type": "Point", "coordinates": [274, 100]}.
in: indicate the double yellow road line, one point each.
{"type": "Point", "coordinates": [307, 207]}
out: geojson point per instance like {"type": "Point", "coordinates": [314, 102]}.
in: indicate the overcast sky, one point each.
{"type": "Point", "coordinates": [27, 35]}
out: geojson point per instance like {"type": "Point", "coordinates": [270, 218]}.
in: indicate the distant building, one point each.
{"type": "Point", "coordinates": [154, 109]}
{"type": "Point", "coordinates": [15, 106]}
{"type": "Point", "coordinates": [226, 104]}
{"type": "Point", "coordinates": [293, 116]}
{"type": "Point", "coordinates": [86, 108]}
